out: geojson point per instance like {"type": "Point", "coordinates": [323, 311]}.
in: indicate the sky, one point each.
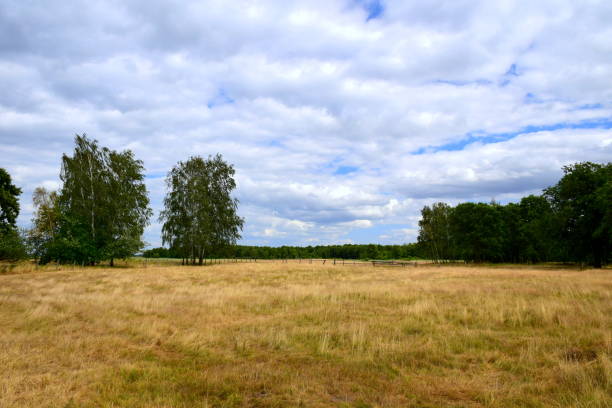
{"type": "Point", "coordinates": [342, 118]}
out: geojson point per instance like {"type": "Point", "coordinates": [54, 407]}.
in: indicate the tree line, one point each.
{"type": "Point", "coordinates": [346, 251]}
{"type": "Point", "coordinates": [570, 222]}
{"type": "Point", "coordinates": [102, 209]}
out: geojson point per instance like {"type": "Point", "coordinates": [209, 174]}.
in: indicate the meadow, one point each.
{"type": "Point", "coordinates": [305, 335]}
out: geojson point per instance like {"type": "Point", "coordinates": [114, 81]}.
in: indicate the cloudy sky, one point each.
{"type": "Point", "coordinates": [342, 117]}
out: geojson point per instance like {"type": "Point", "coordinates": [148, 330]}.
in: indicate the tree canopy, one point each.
{"type": "Point", "coordinates": [101, 210]}
{"type": "Point", "coordinates": [45, 221]}
{"type": "Point", "coordinates": [9, 201]}
{"type": "Point", "coordinates": [11, 242]}
{"type": "Point", "coordinates": [434, 231]}
{"type": "Point", "coordinates": [582, 199]}
{"type": "Point", "coordinates": [571, 221]}
{"type": "Point", "coordinates": [199, 213]}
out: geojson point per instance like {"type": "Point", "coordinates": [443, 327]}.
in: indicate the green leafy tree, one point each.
{"type": "Point", "coordinates": [435, 231]}
{"type": "Point", "coordinates": [82, 202]}
{"type": "Point", "coordinates": [11, 242]}
{"type": "Point", "coordinates": [477, 230]}
{"type": "Point", "coordinates": [103, 204]}
{"type": "Point", "coordinates": [12, 245]}
{"type": "Point", "coordinates": [537, 230]}
{"type": "Point", "coordinates": [581, 200]}
{"type": "Point", "coordinates": [129, 205]}
{"type": "Point", "coordinates": [45, 222]}
{"type": "Point", "coordinates": [512, 238]}
{"type": "Point", "coordinates": [200, 215]}
{"type": "Point", "coordinates": [9, 202]}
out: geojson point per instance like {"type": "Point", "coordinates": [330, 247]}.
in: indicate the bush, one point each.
{"type": "Point", "coordinates": [12, 247]}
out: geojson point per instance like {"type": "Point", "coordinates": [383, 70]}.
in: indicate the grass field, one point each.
{"type": "Point", "coordinates": [300, 335]}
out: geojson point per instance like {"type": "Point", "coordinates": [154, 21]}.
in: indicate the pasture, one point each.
{"type": "Point", "coordinates": [305, 335]}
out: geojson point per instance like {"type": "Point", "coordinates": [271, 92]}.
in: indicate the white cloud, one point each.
{"type": "Point", "coordinates": [358, 224]}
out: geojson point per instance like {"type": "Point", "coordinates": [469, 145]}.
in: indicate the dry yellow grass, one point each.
{"type": "Point", "coordinates": [301, 335]}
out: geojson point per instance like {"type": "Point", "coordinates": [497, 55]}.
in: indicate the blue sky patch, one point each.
{"type": "Point", "coordinates": [531, 98]}
{"type": "Point", "coordinates": [155, 175]}
{"type": "Point", "coordinates": [483, 137]}
{"type": "Point", "coordinates": [276, 143]}
{"type": "Point", "coordinates": [590, 106]}
{"type": "Point", "coordinates": [512, 71]}
{"type": "Point", "coordinates": [222, 98]}
{"type": "Point", "coordinates": [379, 234]}
{"type": "Point", "coordinates": [463, 83]}
{"type": "Point", "coordinates": [342, 170]}
{"type": "Point", "coordinates": [374, 8]}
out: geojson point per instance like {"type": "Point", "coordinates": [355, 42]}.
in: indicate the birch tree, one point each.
{"type": "Point", "coordinates": [434, 231]}
{"type": "Point", "coordinates": [45, 222]}
{"type": "Point", "coordinates": [199, 213]}
{"type": "Point", "coordinates": [103, 204]}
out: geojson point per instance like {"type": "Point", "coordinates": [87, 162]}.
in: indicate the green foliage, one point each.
{"type": "Point", "coordinates": [100, 212]}
{"type": "Point", "coordinates": [477, 231]}
{"type": "Point", "coordinates": [572, 221]}
{"type": "Point", "coordinates": [435, 233]}
{"type": "Point", "coordinates": [12, 246]}
{"type": "Point", "coordinates": [45, 222]}
{"type": "Point", "coordinates": [537, 230]}
{"type": "Point", "coordinates": [160, 252]}
{"type": "Point", "coordinates": [9, 202]}
{"type": "Point", "coordinates": [199, 213]}
{"type": "Point", "coordinates": [129, 205]}
{"type": "Point", "coordinates": [347, 251]}
{"type": "Point", "coordinates": [582, 200]}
